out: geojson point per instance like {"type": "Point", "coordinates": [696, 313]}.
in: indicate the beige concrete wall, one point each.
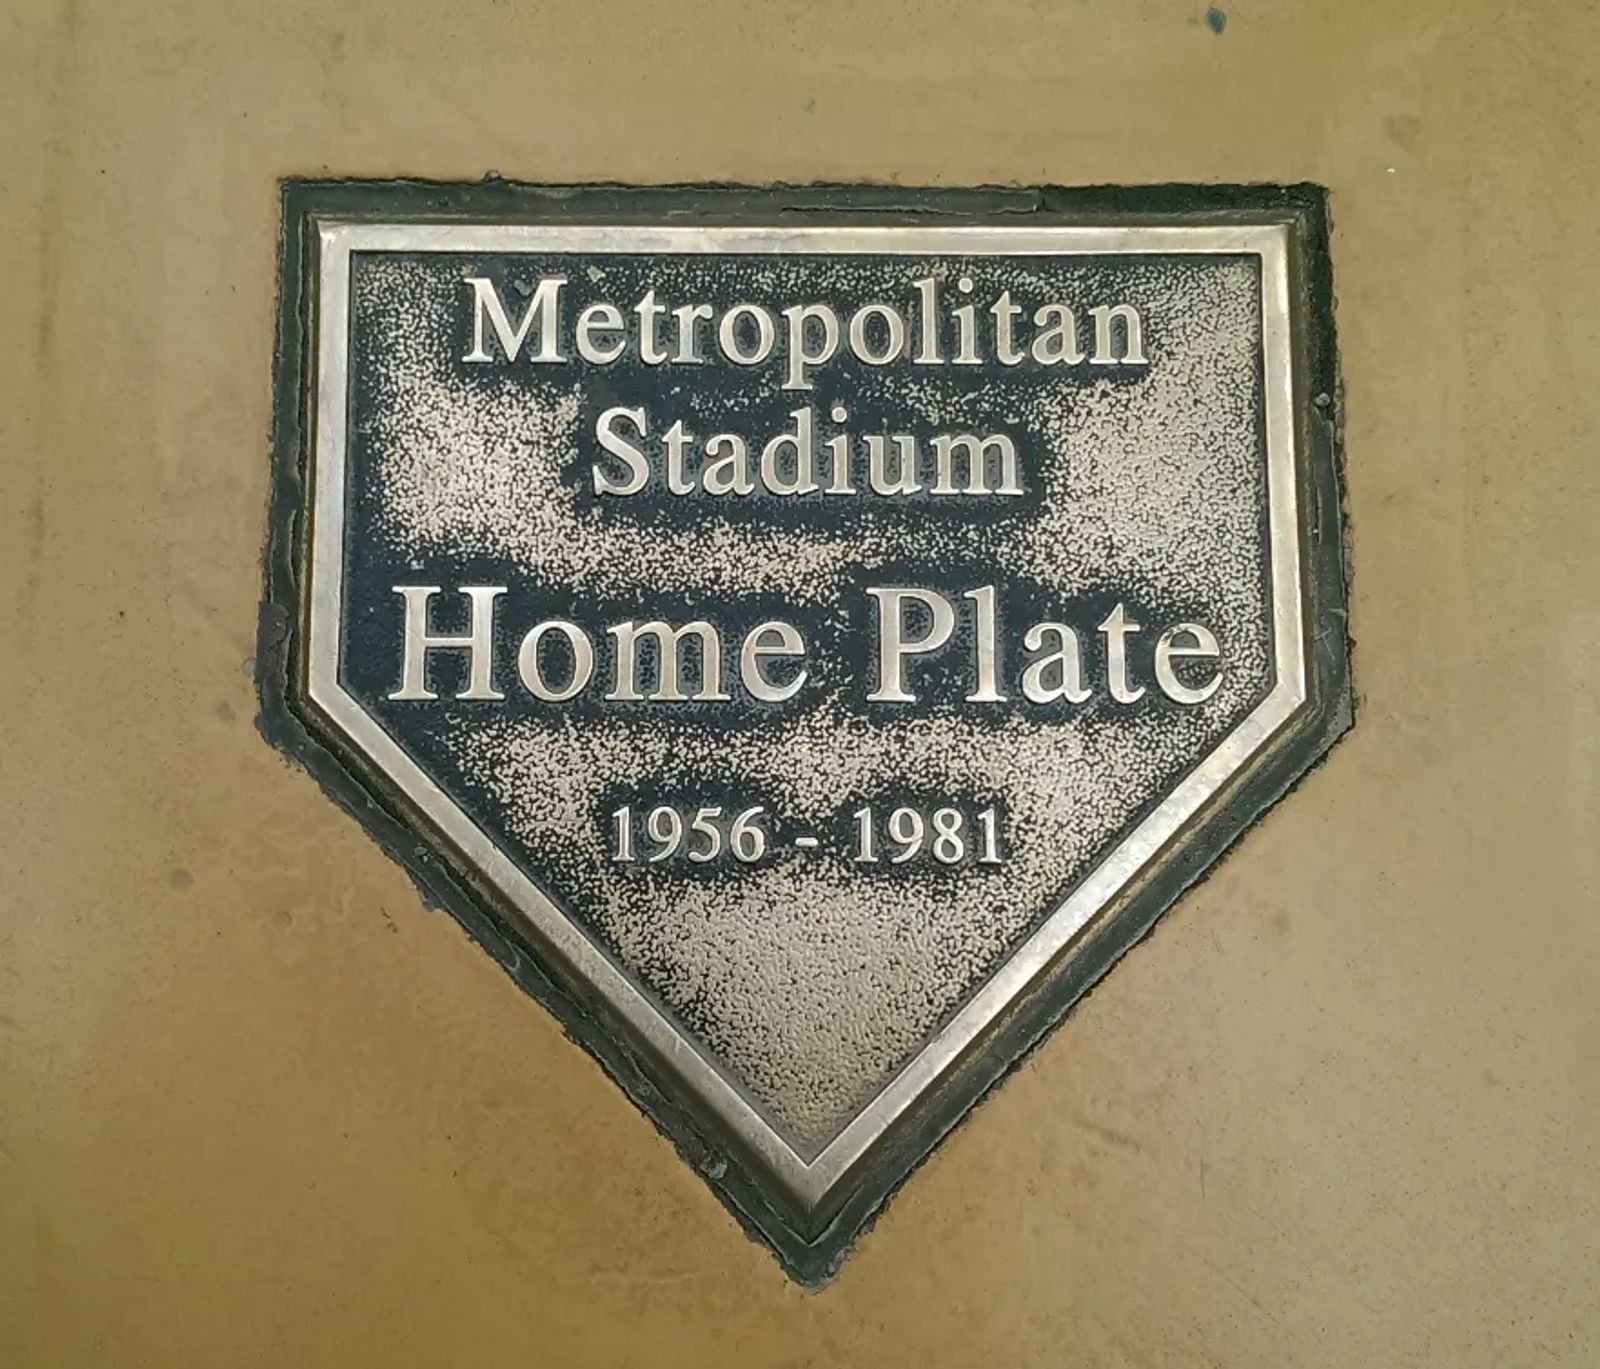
{"type": "Point", "coordinates": [258, 1107]}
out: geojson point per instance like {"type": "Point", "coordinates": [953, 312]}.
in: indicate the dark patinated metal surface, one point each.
{"type": "Point", "coordinates": [994, 539]}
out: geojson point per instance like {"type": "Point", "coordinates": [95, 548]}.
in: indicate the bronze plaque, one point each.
{"type": "Point", "coordinates": [806, 637]}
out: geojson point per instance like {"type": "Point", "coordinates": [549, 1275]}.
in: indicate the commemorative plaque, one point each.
{"type": "Point", "coordinates": [805, 636]}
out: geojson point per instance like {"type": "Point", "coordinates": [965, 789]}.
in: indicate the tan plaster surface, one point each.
{"type": "Point", "coordinates": [259, 1107]}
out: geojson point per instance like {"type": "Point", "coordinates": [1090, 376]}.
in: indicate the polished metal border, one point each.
{"type": "Point", "coordinates": [809, 1183]}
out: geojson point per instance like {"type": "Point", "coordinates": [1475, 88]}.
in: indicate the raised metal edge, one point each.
{"type": "Point", "coordinates": [809, 1180]}
{"type": "Point", "coordinates": [1276, 217]}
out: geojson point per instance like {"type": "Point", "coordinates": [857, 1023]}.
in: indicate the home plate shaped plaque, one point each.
{"type": "Point", "coordinates": [806, 636]}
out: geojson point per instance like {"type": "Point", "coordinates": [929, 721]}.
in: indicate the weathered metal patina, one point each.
{"type": "Point", "coordinates": [807, 637]}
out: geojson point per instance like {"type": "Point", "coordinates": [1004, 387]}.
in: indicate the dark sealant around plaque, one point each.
{"type": "Point", "coordinates": [809, 1239]}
